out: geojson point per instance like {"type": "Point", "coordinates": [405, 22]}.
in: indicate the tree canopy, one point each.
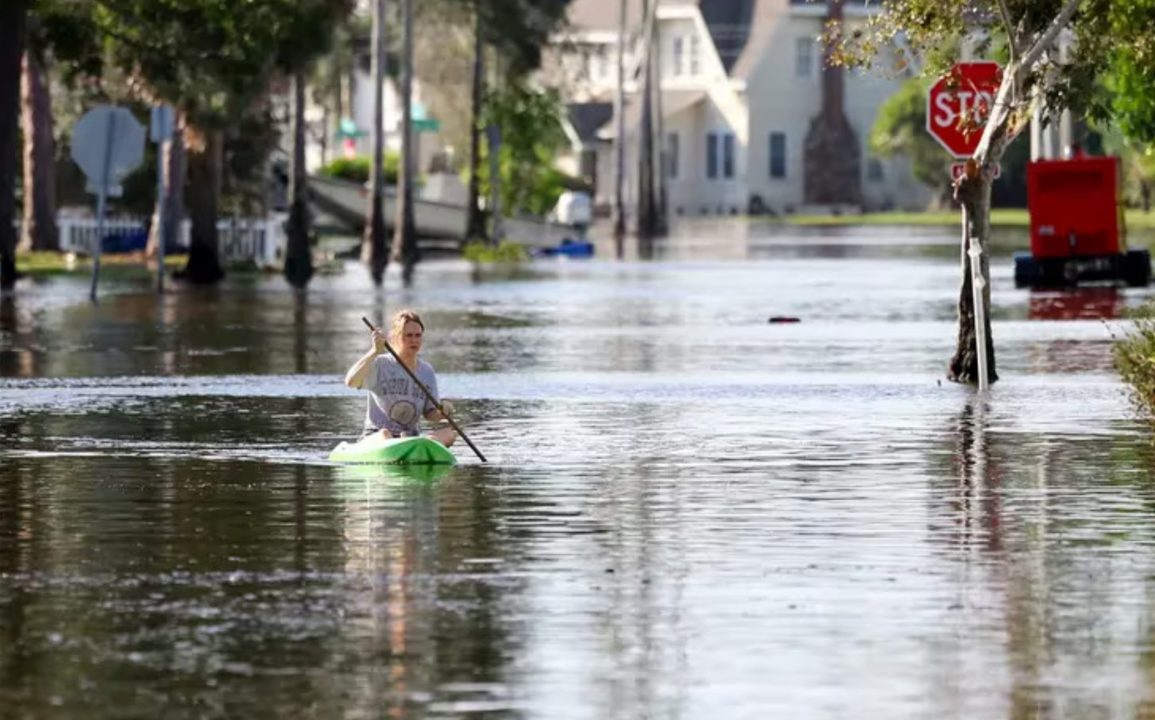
{"type": "Point", "coordinates": [1107, 74]}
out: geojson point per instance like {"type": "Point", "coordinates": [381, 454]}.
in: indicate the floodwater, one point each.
{"type": "Point", "coordinates": [688, 512]}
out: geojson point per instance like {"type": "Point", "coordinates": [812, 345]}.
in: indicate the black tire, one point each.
{"type": "Point", "coordinates": [1026, 270]}
{"type": "Point", "coordinates": [1137, 268]}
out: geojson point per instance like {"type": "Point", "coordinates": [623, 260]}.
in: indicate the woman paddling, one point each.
{"type": "Point", "coordinates": [394, 398]}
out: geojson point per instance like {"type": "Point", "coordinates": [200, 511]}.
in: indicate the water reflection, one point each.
{"type": "Point", "coordinates": [687, 509]}
{"type": "Point", "coordinates": [1046, 561]}
{"type": "Point", "coordinates": [976, 498]}
{"type": "Point", "coordinates": [1094, 303]}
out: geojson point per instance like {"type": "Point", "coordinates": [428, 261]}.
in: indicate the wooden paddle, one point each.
{"type": "Point", "coordinates": [427, 393]}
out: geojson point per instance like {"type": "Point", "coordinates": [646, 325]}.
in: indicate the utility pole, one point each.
{"type": "Point", "coordinates": [404, 228]}
{"type": "Point", "coordinates": [619, 212]}
{"type": "Point", "coordinates": [475, 225]}
{"type": "Point", "coordinates": [373, 251]}
{"type": "Point", "coordinates": [647, 207]}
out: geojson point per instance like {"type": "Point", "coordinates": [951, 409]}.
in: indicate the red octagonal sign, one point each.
{"type": "Point", "coordinates": [959, 103]}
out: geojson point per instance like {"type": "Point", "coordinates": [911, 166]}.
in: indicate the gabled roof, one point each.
{"type": "Point", "coordinates": [586, 118]}
{"type": "Point", "coordinates": [728, 21]}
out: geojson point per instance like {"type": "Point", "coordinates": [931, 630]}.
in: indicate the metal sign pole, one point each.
{"type": "Point", "coordinates": [101, 204]}
{"type": "Point", "coordinates": [978, 285]}
{"type": "Point", "coordinates": [161, 133]}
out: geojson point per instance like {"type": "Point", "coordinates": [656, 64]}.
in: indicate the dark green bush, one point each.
{"type": "Point", "coordinates": [506, 253]}
{"type": "Point", "coordinates": [1135, 358]}
{"type": "Point", "coordinates": [356, 169]}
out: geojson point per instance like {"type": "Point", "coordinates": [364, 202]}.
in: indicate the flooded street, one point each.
{"type": "Point", "coordinates": [689, 512]}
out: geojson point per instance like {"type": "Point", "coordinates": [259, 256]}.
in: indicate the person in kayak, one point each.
{"type": "Point", "coordinates": [394, 398]}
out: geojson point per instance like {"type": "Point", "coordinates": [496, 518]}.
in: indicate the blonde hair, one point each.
{"type": "Point", "coordinates": [397, 325]}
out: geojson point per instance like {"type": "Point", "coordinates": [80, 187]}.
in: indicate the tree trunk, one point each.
{"type": "Point", "coordinates": [964, 364]}
{"type": "Point", "coordinates": [12, 19]}
{"type": "Point", "coordinates": [647, 206]}
{"type": "Point", "coordinates": [404, 228]}
{"type": "Point", "coordinates": [475, 227]}
{"type": "Point", "coordinates": [973, 192]}
{"type": "Point", "coordinates": [298, 253]}
{"type": "Point", "coordinates": [619, 208]}
{"type": "Point", "coordinates": [204, 190]}
{"type": "Point", "coordinates": [655, 66]}
{"type": "Point", "coordinates": [173, 152]}
{"type": "Point", "coordinates": [38, 230]}
{"type": "Point", "coordinates": [373, 250]}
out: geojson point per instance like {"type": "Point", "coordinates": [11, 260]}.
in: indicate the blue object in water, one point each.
{"type": "Point", "coordinates": [569, 248]}
{"type": "Point", "coordinates": [125, 241]}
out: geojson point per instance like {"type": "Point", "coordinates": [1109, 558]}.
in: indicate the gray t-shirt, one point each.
{"type": "Point", "coordinates": [395, 401]}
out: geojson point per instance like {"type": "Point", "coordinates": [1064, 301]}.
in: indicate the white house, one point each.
{"type": "Point", "coordinates": [743, 83]}
{"type": "Point", "coordinates": [359, 117]}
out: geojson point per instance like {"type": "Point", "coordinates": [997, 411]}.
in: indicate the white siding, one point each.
{"type": "Point", "coordinates": [778, 95]}
{"type": "Point", "coordinates": [782, 101]}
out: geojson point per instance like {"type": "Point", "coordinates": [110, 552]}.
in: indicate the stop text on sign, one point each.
{"type": "Point", "coordinates": [958, 105]}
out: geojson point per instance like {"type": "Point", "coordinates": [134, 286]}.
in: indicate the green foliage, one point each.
{"type": "Point", "coordinates": [357, 169]}
{"type": "Point", "coordinates": [900, 129]}
{"type": "Point", "coordinates": [1138, 163]}
{"type": "Point", "coordinates": [1134, 356]}
{"type": "Point", "coordinates": [505, 253]}
{"type": "Point", "coordinates": [531, 136]}
{"type": "Point", "coordinates": [212, 59]}
{"type": "Point", "coordinates": [1119, 31]}
{"type": "Point", "coordinates": [1109, 76]}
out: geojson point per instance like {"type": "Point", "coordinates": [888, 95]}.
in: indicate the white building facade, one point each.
{"type": "Point", "coordinates": [742, 82]}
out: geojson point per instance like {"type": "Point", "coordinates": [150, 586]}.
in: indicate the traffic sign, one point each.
{"type": "Point", "coordinates": [958, 105]}
{"type": "Point", "coordinates": [107, 144]}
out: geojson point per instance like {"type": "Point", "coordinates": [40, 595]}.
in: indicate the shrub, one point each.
{"type": "Point", "coordinates": [505, 252]}
{"type": "Point", "coordinates": [356, 169]}
{"type": "Point", "coordinates": [1135, 358]}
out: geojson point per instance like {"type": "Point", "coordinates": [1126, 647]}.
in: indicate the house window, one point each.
{"type": "Point", "coordinates": [678, 58]}
{"type": "Point", "coordinates": [873, 169]}
{"type": "Point", "coordinates": [672, 155]}
{"type": "Point", "coordinates": [711, 155]}
{"type": "Point", "coordinates": [803, 56]}
{"type": "Point", "coordinates": [777, 155]}
{"type": "Point", "coordinates": [728, 155]}
{"type": "Point", "coordinates": [693, 54]}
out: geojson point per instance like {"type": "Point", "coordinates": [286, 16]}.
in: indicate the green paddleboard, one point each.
{"type": "Point", "coordinates": [395, 451]}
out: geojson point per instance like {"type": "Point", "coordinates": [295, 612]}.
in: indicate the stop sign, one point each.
{"type": "Point", "coordinates": [958, 104]}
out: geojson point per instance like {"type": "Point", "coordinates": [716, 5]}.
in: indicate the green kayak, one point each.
{"type": "Point", "coordinates": [395, 451]}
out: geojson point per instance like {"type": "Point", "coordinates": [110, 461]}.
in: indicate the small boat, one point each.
{"type": "Point", "coordinates": [394, 451]}
{"type": "Point", "coordinates": [568, 248]}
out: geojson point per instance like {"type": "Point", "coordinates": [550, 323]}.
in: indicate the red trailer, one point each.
{"type": "Point", "coordinates": [1077, 229]}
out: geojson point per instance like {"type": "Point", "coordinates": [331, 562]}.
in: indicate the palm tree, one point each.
{"type": "Point", "coordinates": [373, 244]}
{"type": "Point", "coordinates": [170, 206]}
{"type": "Point", "coordinates": [620, 139]}
{"type": "Point", "coordinates": [13, 15]}
{"type": "Point", "coordinates": [404, 228]}
{"type": "Point", "coordinates": [38, 229]}
{"type": "Point", "coordinates": [298, 255]}
{"type": "Point", "coordinates": [475, 226]}
{"type": "Point", "coordinates": [647, 205]}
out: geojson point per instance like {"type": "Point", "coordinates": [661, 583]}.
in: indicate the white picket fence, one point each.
{"type": "Point", "coordinates": [259, 240]}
